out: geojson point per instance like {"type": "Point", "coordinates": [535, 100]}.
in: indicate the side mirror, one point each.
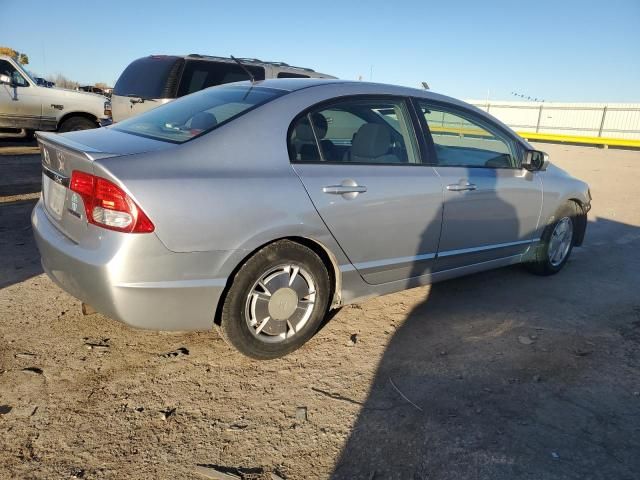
{"type": "Point", "coordinates": [5, 79]}
{"type": "Point", "coordinates": [535, 161]}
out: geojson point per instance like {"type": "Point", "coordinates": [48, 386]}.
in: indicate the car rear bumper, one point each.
{"type": "Point", "coordinates": [133, 278]}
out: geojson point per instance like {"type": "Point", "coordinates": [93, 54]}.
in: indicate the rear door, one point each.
{"type": "Point", "coordinates": [491, 205]}
{"type": "Point", "coordinates": [361, 164]}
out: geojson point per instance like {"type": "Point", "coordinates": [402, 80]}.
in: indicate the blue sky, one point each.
{"type": "Point", "coordinates": [556, 50]}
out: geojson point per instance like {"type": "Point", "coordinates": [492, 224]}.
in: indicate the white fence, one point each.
{"type": "Point", "coordinates": [604, 120]}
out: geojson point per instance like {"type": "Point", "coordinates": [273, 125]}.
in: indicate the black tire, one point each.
{"type": "Point", "coordinates": [234, 325]}
{"type": "Point", "coordinates": [541, 264]}
{"type": "Point", "coordinates": [73, 124]}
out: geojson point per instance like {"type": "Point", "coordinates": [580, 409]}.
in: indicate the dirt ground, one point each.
{"type": "Point", "coordinates": [501, 375]}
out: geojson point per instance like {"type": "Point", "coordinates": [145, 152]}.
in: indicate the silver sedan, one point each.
{"type": "Point", "coordinates": [257, 207]}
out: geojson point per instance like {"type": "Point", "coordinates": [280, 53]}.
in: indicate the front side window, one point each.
{"type": "Point", "coordinates": [369, 131]}
{"type": "Point", "coordinates": [463, 141]}
{"type": "Point", "coordinates": [9, 70]}
{"type": "Point", "coordinates": [201, 74]}
{"type": "Point", "coordinates": [194, 115]}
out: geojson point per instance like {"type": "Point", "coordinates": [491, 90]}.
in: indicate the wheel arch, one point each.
{"type": "Point", "coordinates": [325, 254]}
{"type": "Point", "coordinates": [581, 221]}
{"type": "Point", "coordinates": [68, 115]}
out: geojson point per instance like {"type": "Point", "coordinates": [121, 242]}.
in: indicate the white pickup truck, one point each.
{"type": "Point", "coordinates": [24, 105]}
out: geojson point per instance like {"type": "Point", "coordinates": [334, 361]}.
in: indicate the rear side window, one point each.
{"type": "Point", "coordinates": [201, 74]}
{"type": "Point", "coordinates": [367, 131]}
{"type": "Point", "coordinates": [149, 77]}
{"type": "Point", "coordinates": [197, 114]}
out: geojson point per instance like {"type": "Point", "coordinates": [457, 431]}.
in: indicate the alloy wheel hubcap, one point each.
{"type": "Point", "coordinates": [280, 303]}
{"type": "Point", "coordinates": [283, 303]}
{"type": "Point", "coordinates": [560, 241]}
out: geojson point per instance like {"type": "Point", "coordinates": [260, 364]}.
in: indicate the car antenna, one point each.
{"type": "Point", "coordinates": [246, 70]}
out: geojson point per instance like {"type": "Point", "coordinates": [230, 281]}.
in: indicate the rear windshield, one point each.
{"type": "Point", "coordinates": [148, 77]}
{"type": "Point", "coordinates": [201, 74]}
{"type": "Point", "coordinates": [199, 113]}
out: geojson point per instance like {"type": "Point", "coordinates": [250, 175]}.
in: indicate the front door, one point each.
{"type": "Point", "coordinates": [20, 103]}
{"type": "Point", "coordinates": [491, 206]}
{"type": "Point", "coordinates": [359, 160]}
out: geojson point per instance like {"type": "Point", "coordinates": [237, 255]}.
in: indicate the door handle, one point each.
{"type": "Point", "coordinates": [461, 187]}
{"type": "Point", "coordinates": [342, 189]}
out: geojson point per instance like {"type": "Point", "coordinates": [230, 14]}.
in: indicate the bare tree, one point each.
{"type": "Point", "coordinates": [62, 82]}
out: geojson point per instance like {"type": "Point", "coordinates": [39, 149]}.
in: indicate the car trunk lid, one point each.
{"type": "Point", "coordinates": [64, 154]}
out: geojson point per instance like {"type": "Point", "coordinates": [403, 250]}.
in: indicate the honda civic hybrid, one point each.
{"type": "Point", "coordinates": [256, 207]}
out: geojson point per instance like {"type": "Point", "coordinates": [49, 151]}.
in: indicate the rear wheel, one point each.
{"type": "Point", "coordinates": [276, 302]}
{"type": "Point", "coordinates": [556, 243]}
{"type": "Point", "coordinates": [73, 124]}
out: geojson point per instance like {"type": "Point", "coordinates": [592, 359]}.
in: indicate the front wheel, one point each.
{"type": "Point", "coordinates": [276, 302]}
{"type": "Point", "coordinates": [556, 243]}
{"type": "Point", "coordinates": [73, 124]}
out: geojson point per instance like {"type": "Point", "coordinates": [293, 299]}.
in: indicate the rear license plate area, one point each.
{"type": "Point", "coordinates": [54, 196]}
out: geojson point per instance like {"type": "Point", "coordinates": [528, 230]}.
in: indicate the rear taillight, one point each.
{"type": "Point", "coordinates": [108, 206]}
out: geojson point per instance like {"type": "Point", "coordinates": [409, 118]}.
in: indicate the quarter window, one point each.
{"type": "Point", "coordinates": [375, 131]}
{"type": "Point", "coordinates": [463, 141]}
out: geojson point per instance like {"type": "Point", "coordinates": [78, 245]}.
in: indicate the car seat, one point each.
{"type": "Point", "coordinates": [372, 144]}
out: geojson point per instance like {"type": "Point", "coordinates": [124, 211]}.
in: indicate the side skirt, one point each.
{"type": "Point", "coordinates": [355, 290]}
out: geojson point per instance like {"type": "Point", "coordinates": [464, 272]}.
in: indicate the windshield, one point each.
{"type": "Point", "coordinates": [30, 75]}
{"type": "Point", "coordinates": [199, 113]}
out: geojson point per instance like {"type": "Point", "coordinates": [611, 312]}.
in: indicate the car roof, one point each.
{"type": "Point", "coordinates": [245, 61]}
{"type": "Point", "coordinates": [353, 87]}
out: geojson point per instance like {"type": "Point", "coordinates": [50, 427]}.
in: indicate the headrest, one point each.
{"type": "Point", "coordinates": [320, 124]}
{"type": "Point", "coordinates": [204, 121]}
{"type": "Point", "coordinates": [304, 132]}
{"type": "Point", "coordinates": [372, 140]}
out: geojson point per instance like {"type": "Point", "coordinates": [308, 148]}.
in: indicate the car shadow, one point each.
{"type": "Point", "coordinates": [504, 375]}
{"type": "Point", "coordinates": [20, 167]}
{"type": "Point", "coordinates": [19, 256]}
